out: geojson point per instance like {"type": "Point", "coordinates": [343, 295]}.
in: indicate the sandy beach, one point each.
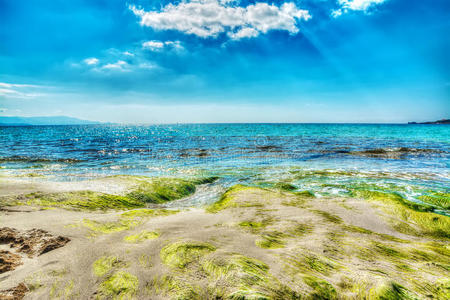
{"type": "Point", "coordinates": [253, 243]}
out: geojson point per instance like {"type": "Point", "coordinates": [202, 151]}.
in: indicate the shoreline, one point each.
{"type": "Point", "coordinates": [255, 242]}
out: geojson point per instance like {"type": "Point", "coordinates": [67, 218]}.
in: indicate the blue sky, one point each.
{"type": "Point", "coordinates": [226, 61]}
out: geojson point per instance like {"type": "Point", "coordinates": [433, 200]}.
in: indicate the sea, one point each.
{"type": "Point", "coordinates": [322, 158]}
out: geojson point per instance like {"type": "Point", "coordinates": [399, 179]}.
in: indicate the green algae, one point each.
{"type": "Point", "coordinates": [439, 199]}
{"type": "Point", "coordinates": [205, 180]}
{"type": "Point", "coordinates": [390, 291]}
{"type": "Point", "coordinates": [429, 223]}
{"type": "Point", "coordinates": [105, 264]}
{"type": "Point", "coordinates": [309, 263]}
{"type": "Point", "coordinates": [120, 285]}
{"type": "Point", "coordinates": [127, 220]}
{"type": "Point", "coordinates": [328, 216]}
{"type": "Point", "coordinates": [256, 226]}
{"type": "Point", "coordinates": [109, 227]}
{"type": "Point", "coordinates": [81, 200]}
{"type": "Point", "coordinates": [271, 240]}
{"type": "Point", "coordinates": [299, 229]}
{"type": "Point", "coordinates": [161, 190]}
{"type": "Point", "coordinates": [321, 288]}
{"type": "Point", "coordinates": [357, 229]}
{"type": "Point", "coordinates": [147, 213]}
{"type": "Point", "coordinates": [145, 261]}
{"type": "Point", "coordinates": [227, 200]}
{"type": "Point", "coordinates": [181, 254]}
{"type": "Point", "coordinates": [62, 290]}
{"type": "Point", "coordinates": [142, 236]}
{"type": "Point", "coordinates": [169, 285]}
{"type": "Point", "coordinates": [390, 197]}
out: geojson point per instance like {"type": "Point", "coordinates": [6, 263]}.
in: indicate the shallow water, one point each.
{"type": "Point", "coordinates": [414, 158]}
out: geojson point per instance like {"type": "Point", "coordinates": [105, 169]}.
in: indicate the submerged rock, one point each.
{"type": "Point", "coordinates": [394, 153]}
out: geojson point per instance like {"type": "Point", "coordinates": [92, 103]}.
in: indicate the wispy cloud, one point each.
{"type": "Point", "coordinates": [21, 91]}
{"type": "Point", "coordinates": [91, 61]}
{"type": "Point", "coordinates": [357, 5]}
{"type": "Point", "coordinates": [209, 18]}
{"type": "Point", "coordinates": [159, 45]}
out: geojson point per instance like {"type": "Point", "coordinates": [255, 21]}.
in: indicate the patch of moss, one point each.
{"type": "Point", "coordinates": [161, 190]}
{"type": "Point", "coordinates": [105, 264]}
{"type": "Point", "coordinates": [142, 236]}
{"type": "Point", "coordinates": [181, 254]}
{"type": "Point", "coordinates": [271, 240]}
{"type": "Point", "coordinates": [321, 288]}
{"type": "Point", "coordinates": [82, 200]}
{"type": "Point", "coordinates": [120, 285]}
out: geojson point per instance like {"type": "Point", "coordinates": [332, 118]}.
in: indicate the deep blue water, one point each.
{"type": "Point", "coordinates": [236, 152]}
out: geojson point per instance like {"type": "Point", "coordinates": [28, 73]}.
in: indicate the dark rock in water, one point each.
{"type": "Point", "coordinates": [9, 261]}
{"type": "Point", "coordinates": [393, 153]}
{"type": "Point", "coordinates": [438, 122]}
{"type": "Point", "coordinates": [194, 153]}
{"type": "Point", "coordinates": [16, 293]}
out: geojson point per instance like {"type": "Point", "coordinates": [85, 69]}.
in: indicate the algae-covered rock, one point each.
{"type": "Point", "coordinates": [120, 285]}
{"type": "Point", "coordinates": [105, 264]}
{"type": "Point", "coordinates": [228, 199]}
{"type": "Point", "coordinates": [180, 254]}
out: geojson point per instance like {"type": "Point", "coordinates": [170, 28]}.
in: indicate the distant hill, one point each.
{"type": "Point", "coordinates": [443, 121]}
{"type": "Point", "coordinates": [56, 120]}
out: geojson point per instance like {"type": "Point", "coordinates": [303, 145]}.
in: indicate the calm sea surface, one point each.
{"type": "Point", "coordinates": [415, 156]}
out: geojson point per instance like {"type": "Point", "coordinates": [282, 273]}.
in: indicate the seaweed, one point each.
{"type": "Point", "coordinates": [120, 285]}
{"type": "Point", "coordinates": [141, 236]}
{"type": "Point", "coordinates": [180, 254]}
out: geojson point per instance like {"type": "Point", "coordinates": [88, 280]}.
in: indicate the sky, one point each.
{"type": "Point", "coordinates": [215, 61]}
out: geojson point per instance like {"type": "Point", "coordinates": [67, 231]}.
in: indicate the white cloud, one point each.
{"type": "Point", "coordinates": [358, 5]}
{"type": "Point", "coordinates": [91, 61]}
{"type": "Point", "coordinates": [209, 18]}
{"type": "Point", "coordinates": [159, 45]}
{"type": "Point", "coordinates": [153, 45]}
{"type": "Point", "coordinates": [120, 65]}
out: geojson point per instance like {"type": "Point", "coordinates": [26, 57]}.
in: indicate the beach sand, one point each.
{"type": "Point", "coordinates": [254, 243]}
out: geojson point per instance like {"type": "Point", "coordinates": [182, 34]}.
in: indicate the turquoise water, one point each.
{"type": "Point", "coordinates": [415, 158]}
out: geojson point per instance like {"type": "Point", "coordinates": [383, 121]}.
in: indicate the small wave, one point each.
{"type": "Point", "coordinates": [32, 159]}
